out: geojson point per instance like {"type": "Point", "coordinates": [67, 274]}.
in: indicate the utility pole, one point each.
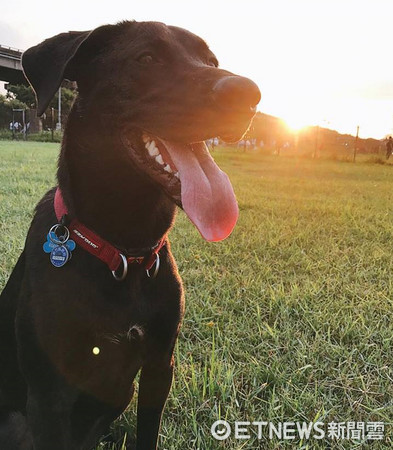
{"type": "Point", "coordinates": [52, 114]}
{"type": "Point", "coordinates": [58, 126]}
{"type": "Point", "coordinates": [316, 142]}
{"type": "Point", "coordinates": [356, 144]}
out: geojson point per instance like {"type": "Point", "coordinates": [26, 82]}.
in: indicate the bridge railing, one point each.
{"type": "Point", "coordinates": [11, 51]}
{"type": "Point", "coordinates": [12, 48]}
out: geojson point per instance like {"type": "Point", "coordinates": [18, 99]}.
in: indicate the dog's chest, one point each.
{"type": "Point", "coordinates": [104, 362]}
{"type": "Point", "coordinates": [97, 338]}
{"type": "Point", "coordinates": [95, 331]}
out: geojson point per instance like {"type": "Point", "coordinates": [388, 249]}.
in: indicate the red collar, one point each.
{"type": "Point", "coordinates": [102, 249]}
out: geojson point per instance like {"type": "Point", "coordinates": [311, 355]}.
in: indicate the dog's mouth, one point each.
{"type": "Point", "coordinates": [192, 179]}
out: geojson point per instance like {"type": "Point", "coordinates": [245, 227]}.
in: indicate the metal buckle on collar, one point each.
{"type": "Point", "coordinates": [156, 268]}
{"type": "Point", "coordinates": [125, 269]}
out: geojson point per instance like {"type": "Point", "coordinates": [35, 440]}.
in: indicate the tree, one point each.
{"type": "Point", "coordinates": [25, 94]}
{"type": "Point", "coordinates": [67, 99]}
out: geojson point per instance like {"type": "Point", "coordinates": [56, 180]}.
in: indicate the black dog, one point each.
{"type": "Point", "coordinates": [74, 333]}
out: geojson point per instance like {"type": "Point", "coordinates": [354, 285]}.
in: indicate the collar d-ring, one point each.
{"type": "Point", "coordinates": [125, 269]}
{"type": "Point", "coordinates": [156, 267]}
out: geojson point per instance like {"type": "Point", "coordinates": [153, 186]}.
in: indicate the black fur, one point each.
{"type": "Point", "coordinates": [54, 392]}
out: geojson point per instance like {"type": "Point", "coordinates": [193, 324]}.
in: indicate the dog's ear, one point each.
{"type": "Point", "coordinates": [45, 65]}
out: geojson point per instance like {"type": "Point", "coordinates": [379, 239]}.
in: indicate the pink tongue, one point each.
{"type": "Point", "coordinates": [206, 193]}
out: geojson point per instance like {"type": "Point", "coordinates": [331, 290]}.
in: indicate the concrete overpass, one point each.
{"type": "Point", "coordinates": [11, 66]}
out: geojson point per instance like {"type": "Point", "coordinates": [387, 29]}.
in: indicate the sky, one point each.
{"type": "Point", "coordinates": [316, 62]}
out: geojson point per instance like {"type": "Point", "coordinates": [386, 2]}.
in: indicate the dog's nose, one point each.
{"type": "Point", "coordinates": [237, 93]}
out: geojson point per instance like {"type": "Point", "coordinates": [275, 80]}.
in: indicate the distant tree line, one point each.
{"type": "Point", "coordinates": [274, 133]}
{"type": "Point", "coordinates": [22, 97]}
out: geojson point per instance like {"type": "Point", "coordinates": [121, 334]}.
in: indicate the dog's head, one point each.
{"type": "Point", "coordinates": [166, 95]}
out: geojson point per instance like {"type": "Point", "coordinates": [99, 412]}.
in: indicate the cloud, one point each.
{"type": "Point", "coordinates": [382, 90]}
{"type": "Point", "coordinates": [377, 89]}
{"type": "Point", "coordinates": [11, 36]}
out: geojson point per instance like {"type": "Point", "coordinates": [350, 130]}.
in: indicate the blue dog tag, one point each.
{"type": "Point", "coordinates": [59, 256]}
{"type": "Point", "coordinates": [70, 244]}
{"type": "Point", "coordinates": [49, 246]}
{"type": "Point", "coordinates": [59, 247]}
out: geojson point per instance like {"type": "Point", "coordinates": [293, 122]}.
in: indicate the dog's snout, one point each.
{"type": "Point", "coordinates": [236, 93]}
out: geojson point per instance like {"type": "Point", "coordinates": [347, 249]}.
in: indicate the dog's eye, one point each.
{"type": "Point", "coordinates": [213, 62]}
{"type": "Point", "coordinates": [146, 58]}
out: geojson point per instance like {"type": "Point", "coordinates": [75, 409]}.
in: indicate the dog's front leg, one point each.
{"type": "Point", "coordinates": [154, 385]}
{"type": "Point", "coordinates": [49, 417]}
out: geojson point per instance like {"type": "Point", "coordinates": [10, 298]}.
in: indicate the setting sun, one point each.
{"type": "Point", "coordinates": [295, 124]}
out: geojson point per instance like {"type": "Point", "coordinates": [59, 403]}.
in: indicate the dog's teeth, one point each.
{"type": "Point", "coordinates": [159, 159]}
{"type": "Point", "coordinates": [167, 168]}
{"type": "Point", "coordinates": [150, 145]}
{"type": "Point", "coordinates": [177, 175]}
{"type": "Point", "coordinates": [153, 151]}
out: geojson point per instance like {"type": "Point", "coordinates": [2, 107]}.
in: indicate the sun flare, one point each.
{"type": "Point", "coordinates": [296, 122]}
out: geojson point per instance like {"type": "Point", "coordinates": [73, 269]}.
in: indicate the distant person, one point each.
{"type": "Point", "coordinates": [389, 147]}
{"type": "Point", "coordinates": [14, 126]}
{"type": "Point", "coordinates": [25, 129]}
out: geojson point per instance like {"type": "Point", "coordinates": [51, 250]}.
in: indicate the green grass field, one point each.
{"type": "Point", "coordinates": [290, 319]}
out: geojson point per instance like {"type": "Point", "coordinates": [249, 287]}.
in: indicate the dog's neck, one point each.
{"type": "Point", "coordinates": [102, 189]}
